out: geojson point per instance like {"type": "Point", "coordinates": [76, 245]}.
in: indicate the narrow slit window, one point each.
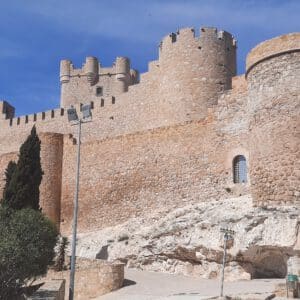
{"type": "Point", "coordinates": [99, 91]}
{"type": "Point", "coordinates": [239, 169]}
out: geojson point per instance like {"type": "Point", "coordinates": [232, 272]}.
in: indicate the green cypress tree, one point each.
{"type": "Point", "coordinates": [23, 188]}
{"type": "Point", "coordinates": [7, 193]}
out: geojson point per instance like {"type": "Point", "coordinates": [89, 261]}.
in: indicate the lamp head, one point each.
{"type": "Point", "coordinates": [86, 111]}
{"type": "Point", "coordinates": [72, 114]}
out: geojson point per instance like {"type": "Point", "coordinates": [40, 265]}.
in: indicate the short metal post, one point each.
{"type": "Point", "coordinates": [224, 262]}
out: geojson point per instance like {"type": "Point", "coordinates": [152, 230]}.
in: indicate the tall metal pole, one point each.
{"type": "Point", "coordinates": [224, 262]}
{"type": "Point", "coordinates": [74, 231]}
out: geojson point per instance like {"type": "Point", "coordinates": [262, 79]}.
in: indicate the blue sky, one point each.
{"type": "Point", "coordinates": [36, 34]}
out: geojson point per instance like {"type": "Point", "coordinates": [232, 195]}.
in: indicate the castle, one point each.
{"type": "Point", "coordinates": [188, 130]}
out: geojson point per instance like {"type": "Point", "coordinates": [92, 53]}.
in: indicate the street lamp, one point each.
{"type": "Point", "coordinates": [228, 235]}
{"type": "Point", "coordinates": [74, 120]}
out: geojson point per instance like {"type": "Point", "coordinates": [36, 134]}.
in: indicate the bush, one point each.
{"type": "Point", "coordinates": [24, 178]}
{"type": "Point", "coordinates": [60, 259]}
{"type": "Point", "coordinates": [27, 241]}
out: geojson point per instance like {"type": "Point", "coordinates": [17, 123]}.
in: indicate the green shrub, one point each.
{"type": "Point", "coordinates": [27, 241]}
{"type": "Point", "coordinates": [24, 178]}
{"type": "Point", "coordinates": [60, 259]}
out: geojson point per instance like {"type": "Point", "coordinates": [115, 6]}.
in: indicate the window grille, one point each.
{"type": "Point", "coordinates": [240, 169]}
{"type": "Point", "coordinates": [99, 91]}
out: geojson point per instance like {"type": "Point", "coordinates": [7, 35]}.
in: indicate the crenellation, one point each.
{"type": "Point", "coordinates": [65, 70]}
{"type": "Point", "coordinates": [169, 136]}
{"type": "Point", "coordinates": [184, 34]}
{"type": "Point", "coordinates": [7, 111]}
{"type": "Point", "coordinates": [34, 118]}
{"type": "Point", "coordinates": [91, 69]}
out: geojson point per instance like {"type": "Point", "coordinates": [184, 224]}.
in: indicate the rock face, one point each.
{"type": "Point", "coordinates": [188, 240]}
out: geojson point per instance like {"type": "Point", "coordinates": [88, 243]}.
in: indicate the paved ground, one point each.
{"type": "Point", "coordinates": [142, 285]}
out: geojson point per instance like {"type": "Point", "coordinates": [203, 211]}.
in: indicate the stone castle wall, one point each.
{"type": "Point", "coordinates": [172, 138]}
{"type": "Point", "coordinates": [133, 174]}
{"type": "Point", "coordinates": [274, 88]}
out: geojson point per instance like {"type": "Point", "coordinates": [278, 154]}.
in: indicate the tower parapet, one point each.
{"type": "Point", "coordinates": [274, 47]}
{"type": "Point", "coordinates": [92, 81]}
{"type": "Point", "coordinates": [91, 69]}
{"type": "Point", "coordinates": [123, 76]}
{"type": "Point", "coordinates": [65, 71]}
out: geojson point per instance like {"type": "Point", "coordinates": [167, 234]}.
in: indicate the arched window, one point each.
{"type": "Point", "coordinates": [239, 169]}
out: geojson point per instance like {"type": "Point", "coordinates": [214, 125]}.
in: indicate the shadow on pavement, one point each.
{"type": "Point", "coordinates": [128, 282]}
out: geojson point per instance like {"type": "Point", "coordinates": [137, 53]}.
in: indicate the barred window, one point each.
{"type": "Point", "coordinates": [239, 169]}
{"type": "Point", "coordinates": [99, 91]}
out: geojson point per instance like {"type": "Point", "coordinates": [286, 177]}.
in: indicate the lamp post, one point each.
{"type": "Point", "coordinates": [74, 120]}
{"type": "Point", "coordinates": [228, 235]}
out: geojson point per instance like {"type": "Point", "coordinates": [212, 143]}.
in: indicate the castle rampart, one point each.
{"type": "Point", "coordinates": [173, 138]}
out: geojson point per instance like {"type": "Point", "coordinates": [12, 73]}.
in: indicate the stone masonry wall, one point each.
{"type": "Point", "coordinates": [133, 174]}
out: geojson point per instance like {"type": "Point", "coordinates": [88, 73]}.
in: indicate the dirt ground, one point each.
{"type": "Point", "coordinates": [142, 285]}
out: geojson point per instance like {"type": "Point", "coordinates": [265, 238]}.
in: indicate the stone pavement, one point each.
{"type": "Point", "coordinates": [143, 285]}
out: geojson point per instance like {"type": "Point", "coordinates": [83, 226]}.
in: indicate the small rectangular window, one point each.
{"type": "Point", "coordinates": [99, 91]}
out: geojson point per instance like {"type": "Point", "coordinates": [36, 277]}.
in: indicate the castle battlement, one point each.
{"type": "Point", "coordinates": [53, 115]}
{"type": "Point", "coordinates": [178, 136]}
{"type": "Point", "coordinates": [206, 35]}
{"type": "Point", "coordinates": [91, 81]}
{"type": "Point", "coordinates": [92, 68]}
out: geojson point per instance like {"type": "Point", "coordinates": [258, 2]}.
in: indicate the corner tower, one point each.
{"type": "Point", "coordinates": [194, 70]}
{"type": "Point", "coordinates": [273, 78]}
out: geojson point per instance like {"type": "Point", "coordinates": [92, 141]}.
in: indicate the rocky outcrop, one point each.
{"type": "Point", "coordinates": [188, 240]}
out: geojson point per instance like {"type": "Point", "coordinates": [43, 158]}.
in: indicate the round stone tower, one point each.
{"type": "Point", "coordinates": [50, 189]}
{"type": "Point", "coordinates": [91, 69]}
{"type": "Point", "coordinates": [64, 77]}
{"type": "Point", "coordinates": [195, 69]}
{"type": "Point", "coordinates": [122, 66]}
{"type": "Point", "coordinates": [273, 78]}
